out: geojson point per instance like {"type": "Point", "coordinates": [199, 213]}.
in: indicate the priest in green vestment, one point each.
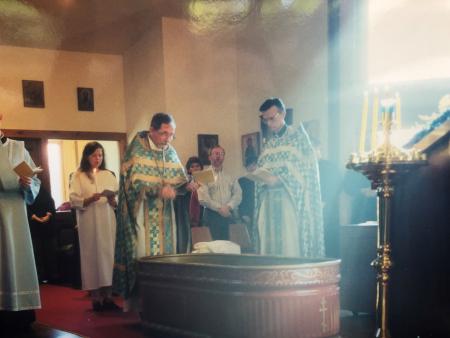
{"type": "Point", "coordinates": [288, 202]}
{"type": "Point", "coordinates": [151, 174]}
{"type": "Point", "coordinates": [19, 287]}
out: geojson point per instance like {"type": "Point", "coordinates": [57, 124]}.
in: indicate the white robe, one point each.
{"type": "Point", "coordinates": [19, 288]}
{"type": "Point", "coordinates": [96, 228]}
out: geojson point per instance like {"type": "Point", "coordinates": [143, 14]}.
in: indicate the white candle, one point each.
{"type": "Point", "coordinates": [362, 136]}
{"type": "Point", "coordinates": [373, 139]}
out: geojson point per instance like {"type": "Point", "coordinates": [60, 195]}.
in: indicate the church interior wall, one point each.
{"type": "Point", "coordinates": [143, 65]}
{"type": "Point", "coordinates": [200, 86]}
{"type": "Point", "coordinates": [212, 84]}
{"type": "Point", "coordinates": [288, 59]}
{"type": "Point", "coordinates": [62, 72]}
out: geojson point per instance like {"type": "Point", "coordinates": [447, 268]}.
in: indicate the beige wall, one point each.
{"type": "Point", "coordinates": [144, 79]}
{"type": "Point", "coordinates": [288, 60]}
{"type": "Point", "coordinates": [211, 84]}
{"type": "Point", "coordinates": [62, 72]}
{"type": "Point", "coordinates": [193, 77]}
{"type": "Point", "coordinates": [215, 84]}
{"type": "Point", "coordinates": [201, 89]}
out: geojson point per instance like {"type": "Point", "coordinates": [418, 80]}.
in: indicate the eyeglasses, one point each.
{"type": "Point", "coordinates": [270, 119]}
{"type": "Point", "coordinates": [166, 134]}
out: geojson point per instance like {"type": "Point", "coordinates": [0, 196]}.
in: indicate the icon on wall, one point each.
{"type": "Point", "coordinates": [33, 94]}
{"type": "Point", "coordinates": [205, 143]}
{"type": "Point", "coordinates": [250, 146]}
{"type": "Point", "coordinates": [85, 99]}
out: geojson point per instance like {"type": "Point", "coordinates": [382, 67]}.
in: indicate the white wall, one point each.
{"type": "Point", "coordinates": [62, 72]}
{"type": "Point", "coordinates": [214, 84]}
{"type": "Point", "coordinates": [201, 91]}
{"type": "Point", "coordinates": [173, 70]}
{"type": "Point", "coordinates": [144, 79]}
{"type": "Point", "coordinates": [288, 61]}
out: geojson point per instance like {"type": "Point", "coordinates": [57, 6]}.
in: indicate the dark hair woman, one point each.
{"type": "Point", "coordinates": [193, 164]}
{"type": "Point", "coordinates": [93, 195]}
{"type": "Point", "coordinates": [195, 209]}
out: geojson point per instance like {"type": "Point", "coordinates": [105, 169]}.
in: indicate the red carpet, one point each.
{"type": "Point", "coordinates": [70, 310]}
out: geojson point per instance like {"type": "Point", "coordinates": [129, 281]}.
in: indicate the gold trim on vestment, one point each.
{"type": "Point", "coordinates": [146, 229]}
{"type": "Point", "coordinates": [160, 206]}
{"type": "Point", "coordinates": [278, 149]}
{"type": "Point", "coordinates": [148, 163]}
{"type": "Point", "coordinates": [157, 179]}
{"type": "Point", "coordinates": [145, 142]}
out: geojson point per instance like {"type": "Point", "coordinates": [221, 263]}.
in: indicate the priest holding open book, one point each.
{"type": "Point", "coordinates": [288, 206]}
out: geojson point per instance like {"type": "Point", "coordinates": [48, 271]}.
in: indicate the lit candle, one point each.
{"type": "Point", "coordinates": [398, 111]}
{"type": "Point", "coordinates": [362, 136]}
{"type": "Point", "coordinates": [387, 111]}
{"type": "Point", "coordinates": [373, 139]}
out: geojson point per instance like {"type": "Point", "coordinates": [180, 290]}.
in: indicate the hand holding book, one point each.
{"type": "Point", "coordinates": [203, 176]}
{"type": "Point", "coordinates": [263, 176]}
{"type": "Point", "coordinates": [23, 169]}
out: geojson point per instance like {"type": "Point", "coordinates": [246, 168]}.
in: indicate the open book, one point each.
{"type": "Point", "coordinates": [24, 169]}
{"type": "Point", "coordinates": [260, 175]}
{"type": "Point", "coordinates": [203, 176]}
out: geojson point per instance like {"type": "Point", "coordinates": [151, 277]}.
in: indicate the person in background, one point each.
{"type": "Point", "coordinates": [41, 215]}
{"type": "Point", "coordinates": [19, 287]}
{"type": "Point", "coordinates": [187, 209]}
{"type": "Point", "coordinates": [289, 205]}
{"type": "Point", "coordinates": [92, 194]}
{"type": "Point", "coordinates": [195, 209]}
{"type": "Point", "coordinates": [247, 206]}
{"type": "Point", "coordinates": [150, 178]}
{"type": "Point", "coordinates": [220, 198]}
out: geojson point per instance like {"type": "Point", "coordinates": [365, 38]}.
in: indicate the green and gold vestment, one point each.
{"type": "Point", "coordinates": [289, 216]}
{"type": "Point", "coordinates": [144, 171]}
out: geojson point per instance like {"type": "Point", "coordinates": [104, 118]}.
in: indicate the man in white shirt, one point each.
{"type": "Point", "coordinates": [220, 198]}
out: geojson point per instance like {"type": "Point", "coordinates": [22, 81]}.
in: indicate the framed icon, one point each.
{"type": "Point", "coordinates": [251, 148]}
{"type": "Point", "coordinates": [85, 99]}
{"type": "Point", "coordinates": [33, 94]}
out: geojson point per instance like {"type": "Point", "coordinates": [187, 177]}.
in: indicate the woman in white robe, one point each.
{"type": "Point", "coordinates": [92, 194]}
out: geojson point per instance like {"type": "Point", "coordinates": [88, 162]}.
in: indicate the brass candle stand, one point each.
{"type": "Point", "coordinates": [382, 167]}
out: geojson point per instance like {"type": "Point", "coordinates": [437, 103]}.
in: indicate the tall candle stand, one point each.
{"type": "Point", "coordinates": [383, 166]}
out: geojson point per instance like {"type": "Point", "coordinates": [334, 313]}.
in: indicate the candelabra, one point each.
{"type": "Point", "coordinates": [383, 166]}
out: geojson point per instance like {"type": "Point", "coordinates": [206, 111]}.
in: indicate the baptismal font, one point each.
{"type": "Point", "coordinates": [383, 165]}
